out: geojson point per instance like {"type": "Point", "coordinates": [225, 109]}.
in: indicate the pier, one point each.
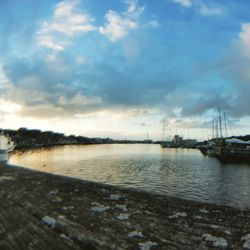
{"type": "Point", "coordinates": [46, 211]}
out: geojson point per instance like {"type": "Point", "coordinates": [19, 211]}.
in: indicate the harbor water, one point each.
{"type": "Point", "coordinates": [183, 173]}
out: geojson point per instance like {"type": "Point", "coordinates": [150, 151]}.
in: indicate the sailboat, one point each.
{"type": "Point", "coordinates": [230, 149]}
{"type": "Point", "coordinates": [233, 149]}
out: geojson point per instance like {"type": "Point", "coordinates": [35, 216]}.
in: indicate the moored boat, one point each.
{"type": "Point", "coordinates": [6, 146]}
{"type": "Point", "coordinates": [233, 150]}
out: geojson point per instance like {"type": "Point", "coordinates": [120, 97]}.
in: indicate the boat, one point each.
{"type": "Point", "coordinates": [226, 149]}
{"type": "Point", "coordinates": [166, 144]}
{"type": "Point", "coordinates": [207, 149]}
{"type": "Point", "coordinates": [6, 146]}
{"type": "Point", "coordinates": [232, 150]}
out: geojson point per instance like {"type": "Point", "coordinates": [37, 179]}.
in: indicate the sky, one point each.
{"type": "Point", "coordinates": [123, 68]}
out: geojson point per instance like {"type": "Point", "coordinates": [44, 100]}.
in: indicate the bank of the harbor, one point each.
{"type": "Point", "coordinates": [45, 211]}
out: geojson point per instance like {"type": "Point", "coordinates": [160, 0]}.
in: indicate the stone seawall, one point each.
{"type": "Point", "coordinates": [45, 211]}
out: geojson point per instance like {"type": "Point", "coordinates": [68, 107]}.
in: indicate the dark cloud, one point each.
{"type": "Point", "coordinates": [196, 107]}
{"type": "Point", "coordinates": [233, 68]}
{"type": "Point", "coordinates": [60, 83]}
{"type": "Point", "coordinates": [131, 87]}
{"type": "Point", "coordinates": [48, 83]}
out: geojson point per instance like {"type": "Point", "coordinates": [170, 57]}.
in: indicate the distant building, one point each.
{"type": "Point", "coordinates": [177, 141]}
{"type": "Point", "coordinates": [189, 143]}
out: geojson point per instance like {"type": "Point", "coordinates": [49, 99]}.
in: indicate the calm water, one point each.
{"type": "Point", "coordinates": [182, 173]}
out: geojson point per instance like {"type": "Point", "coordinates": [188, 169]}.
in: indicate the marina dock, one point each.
{"type": "Point", "coordinates": [46, 211]}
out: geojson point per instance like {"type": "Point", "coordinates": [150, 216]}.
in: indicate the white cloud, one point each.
{"type": "Point", "coordinates": [209, 11]}
{"type": "Point", "coordinates": [51, 42]}
{"type": "Point", "coordinates": [65, 8]}
{"type": "Point", "coordinates": [184, 3]}
{"type": "Point", "coordinates": [81, 59]}
{"type": "Point", "coordinates": [245, 38]}
{"type": "Point", "coordinates": [202, 8]}
{"type": "Point", "coordinates": [134, 10]}
{"type": "Point", "coordinates": [9, 107]}
{"type": "Point", "coordinates": [66, 22]}
{"type": "Point", "coordinates": [79, 100]}
{"type": "Point", "coordinates": [117, 25]}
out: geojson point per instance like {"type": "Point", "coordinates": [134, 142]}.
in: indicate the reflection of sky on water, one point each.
{"type": "Point", "coordinates": [176, 172]}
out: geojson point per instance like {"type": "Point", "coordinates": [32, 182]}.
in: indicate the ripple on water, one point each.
{"type": "Point", "coordinates": [177, 172]}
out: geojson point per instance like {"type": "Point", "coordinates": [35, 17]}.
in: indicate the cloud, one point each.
{"type": "Point", "coordinates": [244, 37]}
{"type": "Point", "coordinates": [143, 124]}
{"type": "Point", "coordinates": [236, 68]}
{"type": "Point", "coordinates": [131, 49]}
{"type": "Point", "coordinates": [200, 106]}
{"type": "Point", "coordinates": [67, 22]}
{"type": "Point", "coordinates": [190, 101]}
{"type": "Point", "coordinates": [117, 62]}
{"type": "Point", "coordinates": [201, 7]}
{"type": "Point", "coordinates": [61, 84]}
{"type": "Point", "coordinates": [52, 42]}
{"type": "Point", "coordinates": [9, 107]}
{"type": "Point", "coordinates": [78, 100]}
{"type": "Point", "coordinates": [153, 24]}
{"type": "Point", "coordinates": [238, 61]}
{"type": "Point", "coordinates": [147, 70]}
{"type": "Point", "coordinates": [118, 25]}
{"type": "Point", "coordinates": [184, 3]}
{"type": "Point", "coordinates": [209, 11]}
{"type": "Point", "coordinates": [50, 84]}
{"type": "Point", "coordinates": [81, 59]}
{"type": "Point", "coordinates": [230, 91]}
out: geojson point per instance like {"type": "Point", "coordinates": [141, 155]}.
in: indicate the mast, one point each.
{"type": "Point", "coordinates": [225, 123]}
{"type": "Point", "coordinates": [213, 130]}
{"type": "Point", "coordinates": [163, 129]}
{"type": "Point", "coordinates": [220, 125]}
{"type": "Point", "coordinates": [216, 130]}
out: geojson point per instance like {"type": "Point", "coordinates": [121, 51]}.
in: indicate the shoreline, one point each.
{"type": "Point", "coordinates": [41, 210]}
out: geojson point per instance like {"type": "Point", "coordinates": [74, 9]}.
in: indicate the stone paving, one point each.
{"type": "Point", "coordinates": [45, 211]}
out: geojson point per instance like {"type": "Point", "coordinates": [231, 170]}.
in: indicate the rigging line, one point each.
{"type": "Point", "coordinates": [232, 133]}
{"type": "Point", "coordinates": [225, 123]}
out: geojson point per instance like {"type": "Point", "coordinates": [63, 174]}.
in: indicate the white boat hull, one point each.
{"type": "Point", "coordinates": [6, 146]}
{"type": "Point", "coordinates": [4, 156]}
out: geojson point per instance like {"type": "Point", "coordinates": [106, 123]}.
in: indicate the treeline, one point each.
{"type": "Point", "coordinates": [242, 137]}
{"type": "Point", "coordinates": [32, 138]}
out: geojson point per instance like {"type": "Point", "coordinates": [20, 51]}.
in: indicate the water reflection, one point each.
{"type": "Point", "coordinates": [183, 173]}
